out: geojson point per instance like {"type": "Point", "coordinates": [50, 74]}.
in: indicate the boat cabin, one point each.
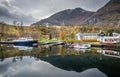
{"type": "Point", "coordinates": [109, 39]}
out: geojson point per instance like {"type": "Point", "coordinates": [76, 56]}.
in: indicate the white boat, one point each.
{"type": "Point", "coordinates": [109, 39]}
{"type": "Point", "coordinates": [70, 45]}
{"type": "Point", "coordinates": [82, 46]}
{"type": "Point", "coordinates": [25, 41]}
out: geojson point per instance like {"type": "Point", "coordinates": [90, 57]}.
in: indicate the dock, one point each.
{"type": "Point", "coordinates": [50, 43]}
{"type": "Point", "coordinates": [114, 46]}
{"type": "Point", "coordinates": [6, 42]}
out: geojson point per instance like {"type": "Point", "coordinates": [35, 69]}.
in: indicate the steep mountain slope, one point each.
{"type": "Point", "coordinates": [107, 15]}
{"type": "Point", "coordinates": [67, 17]}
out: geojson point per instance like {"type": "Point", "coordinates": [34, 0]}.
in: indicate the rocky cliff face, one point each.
{"type": "Point", "coordinates": [107, 15]}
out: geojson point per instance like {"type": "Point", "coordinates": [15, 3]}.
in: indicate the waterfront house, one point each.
{"type": "Point", "coordinates": [85, 36]}
{"type": "Point", "coordinates": [115, 38]}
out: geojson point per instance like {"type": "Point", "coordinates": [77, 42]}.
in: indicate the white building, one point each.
{"type": "Point", "coordinates": [104, 39]}
{"type": "Point", "coordinates": [83, 36]}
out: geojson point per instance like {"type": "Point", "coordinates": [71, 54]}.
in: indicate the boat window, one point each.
{"type": "Point", "coordinates": [115, 39]}
{"type": "Point", "coordinates": [106, 40]}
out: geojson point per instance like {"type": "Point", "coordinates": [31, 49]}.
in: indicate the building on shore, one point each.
{"type": "Point", "coordinates": [85, 36]}
{"type": "Point", "coordinates": [115, 38]}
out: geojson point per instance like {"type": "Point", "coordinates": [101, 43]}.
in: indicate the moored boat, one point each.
{"type": "Point", "coordinates": [25, 41]}
{"type": "Point", "coordinates": [70, 45]}
{"type": "Point", "coordinates": [110, 40]}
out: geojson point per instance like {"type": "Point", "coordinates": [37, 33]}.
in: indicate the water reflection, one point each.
{"type": "Point", "coordinates": [33, 68]}
{"type": "Point", "coordinates": [110, 53]}
{"type": "Point", "coordinates": [27, 48]}
{"type": "Point", "coordinates": [57, 61]}
{"type": "Point", "coordinates": [82, 50]}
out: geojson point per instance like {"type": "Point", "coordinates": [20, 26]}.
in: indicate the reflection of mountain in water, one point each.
{"type": "Point", "coordinates": [80, 63]}
{"type": "Point", "coordinates": [69, 63]}
{"type": "Point", "coordinates": [29, 67]}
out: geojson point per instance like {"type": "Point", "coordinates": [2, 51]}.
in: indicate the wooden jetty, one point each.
{"type": "Point", "coordinates": [50, 43]}
{"type": "Point", "coordinates": [6, 42]}
{"type": "Point", "coordinates": [114, 46]}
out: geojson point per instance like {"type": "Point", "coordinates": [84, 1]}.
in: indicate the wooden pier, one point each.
{"type": "Point", "coordinates": [114, 46]}
{"type": "Point", "coordinates": [50, 43]}
{"type": "Point", "coordinates": [6, 42]}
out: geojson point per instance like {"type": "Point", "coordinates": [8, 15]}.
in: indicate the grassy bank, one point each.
{"type": "Point", "coordinates": [44, 33]}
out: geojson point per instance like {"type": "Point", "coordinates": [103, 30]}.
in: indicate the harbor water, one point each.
{"type": "Point", "coordinates": [58, 61]}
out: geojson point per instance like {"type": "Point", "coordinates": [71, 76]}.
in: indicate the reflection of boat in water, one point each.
{"type": "Point", "coordinates": [79, 46]}
{"type": "Point", "coordinates": [82, 46]}
{"type": "Point", "coordinates": [82, 50]}
{"type": "Point", "coordinates": [25, 41]}
{"type": "Point", "coordinates": [110, 53]}
{"type": "Point", "coordinates": [69, 45]}
{"type": "Point", "coordinates": [24, 47]}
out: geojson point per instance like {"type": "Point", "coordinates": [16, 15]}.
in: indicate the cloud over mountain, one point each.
{"type": "Point", "coordinates": [30, 10]}
{"type": "Point", "coordinates": [9, 13]}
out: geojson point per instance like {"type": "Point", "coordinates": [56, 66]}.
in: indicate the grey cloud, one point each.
{"type": "Point", "coordinates": [28, 10]}
{"type": "Point", "coordinates": [4, 12]}
{"type": "Point", "coordinates": [93, 4]}
{"type": "Point", "coordinates": [9, 13]}
{"type": "Point", "coordinates": [5, 3]}
{"type": "Point", "coordinates": [48, 7]}
{"type": "Point", "coordinates": [6, 16]}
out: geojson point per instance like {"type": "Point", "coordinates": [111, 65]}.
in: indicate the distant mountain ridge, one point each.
{"type": "Point", "coordinates": [66, 17]}
{"type": "Point", "coordinates": [107, 15]}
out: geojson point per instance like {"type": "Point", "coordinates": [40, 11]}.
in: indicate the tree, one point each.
{"type": "Point", "coordinates": [50, 36]}
{"type": "Point", "coordinates": [61, 34]}
{"type": "Point", "coordinates": [110, 32]}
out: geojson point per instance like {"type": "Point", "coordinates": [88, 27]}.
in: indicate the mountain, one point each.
{"type": "Point", "coordinates": [67, 17]}
{"type": "Point", "coordinates": [107, 15]}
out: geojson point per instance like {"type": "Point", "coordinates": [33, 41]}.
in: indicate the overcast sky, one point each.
{"type": "Point", "coordinates": [30, 11]}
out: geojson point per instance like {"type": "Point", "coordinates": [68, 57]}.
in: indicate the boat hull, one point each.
{"type": "Point", "coordinates": [25, 43]}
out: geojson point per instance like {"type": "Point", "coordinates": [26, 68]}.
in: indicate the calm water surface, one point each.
{"type": "Point", "coordinates": [58, 61]}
